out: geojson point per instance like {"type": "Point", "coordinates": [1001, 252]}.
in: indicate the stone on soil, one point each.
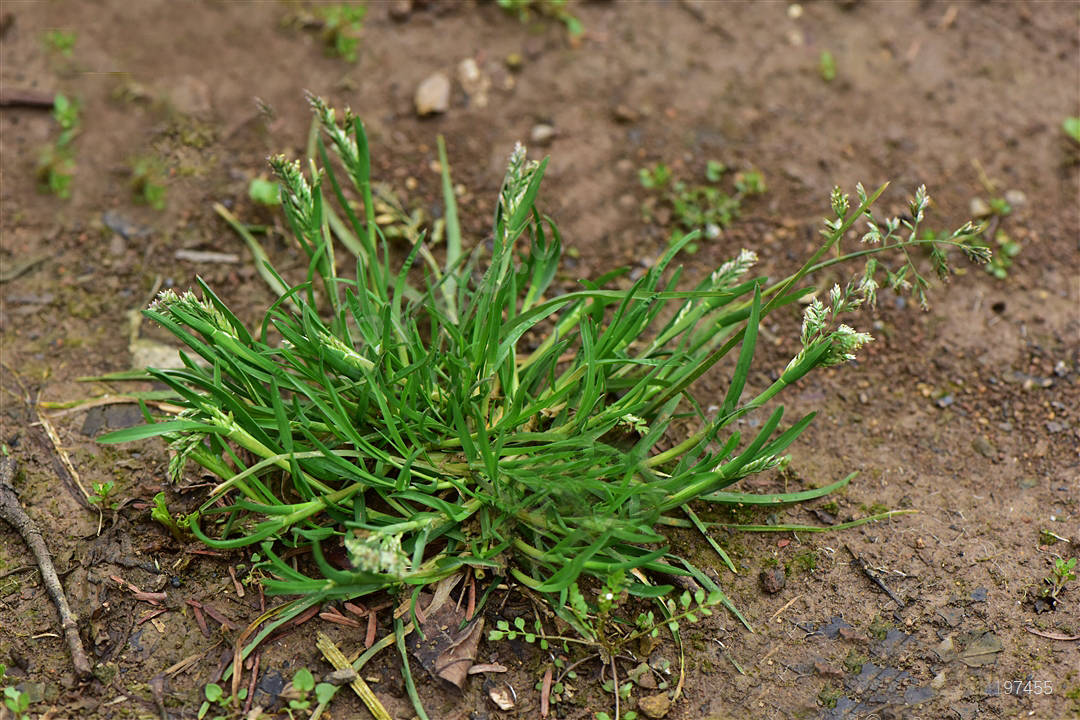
{"type": "Point", "coordinates": [542, 134]}
{"type": "Point", "coordinates": [433, 95]}
{"type": "Point", "coordinates": [654, 706]}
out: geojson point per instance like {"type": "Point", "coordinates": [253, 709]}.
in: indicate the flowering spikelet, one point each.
{"type": "Point", "coordinates": [378, 553]}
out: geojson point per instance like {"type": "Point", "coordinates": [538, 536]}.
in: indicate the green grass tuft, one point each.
{"type": "Point", "coordinates": [398, 415]}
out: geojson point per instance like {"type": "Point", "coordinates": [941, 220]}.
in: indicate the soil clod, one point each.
{"type": "Point", "coordinates": [773, 580]}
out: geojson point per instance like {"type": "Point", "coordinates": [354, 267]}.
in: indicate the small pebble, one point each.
{"type": "Point", "coordinates": [1016, 198]}
{"type": "Point", "coordinates": [400, 10]}
{"type": "Point", "coordinates": [542, 134]}
{"type": "Point", "coordinates": [475, 83]}
{"type": "Point", "coordinates": [979, 208]}
{"type": "Point", "coordinates": [655, 706]}
{"type": "Point", "coordinates": [983, 447]}
{"type": "Point", "coordinates": [826, 670]}
{"type": "Point", "coordinates": [625, 114]}
{"type": "Point", "coordinates": [433, 95]}
{"type": "Point", "coordinates": [341, 677]}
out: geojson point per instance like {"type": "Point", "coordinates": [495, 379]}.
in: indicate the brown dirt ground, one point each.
{"type": "Point", "coordinates": [924, 93]}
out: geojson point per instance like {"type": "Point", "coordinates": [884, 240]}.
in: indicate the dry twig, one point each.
{"type": "Point", "coordinates": [869, 572]}
{"type": "Point", "coordinates": [11, 511]}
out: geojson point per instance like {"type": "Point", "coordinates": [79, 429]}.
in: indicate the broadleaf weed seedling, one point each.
{"type": "Point", "coordinates": [338, 24]}
{"type": "Point", "coordinates": [703, 207]}
{"type": "Point", "coordinates": [60, 41]}
{"type": "Point", "coordinates": [299, 692]}
{"type": "Point", "coordinates": [17, 702]}
{"type": "Point", "coordinates": [56, 164]}
{"type": "Point", "coordinates": [265, 192]}
{"type": "Point", "coordinates": [148, 182]}
{"type": "Point", "coordinates": [557, 9]}
{"type": "Point", "coordinates": [102, 493]}
{"type": "Point", "coordinates": [215, 695]}
{"type": "Point", "coordinates": [827, 66]}
{"type": "Point", "coordinates": [399, 414]}
{"type": "Point", "coordinates": [1060, 576]}
{"type": "Point", "coordinates": [1071, 126]}
{"type": "Point", "coordinates": [341, 31]}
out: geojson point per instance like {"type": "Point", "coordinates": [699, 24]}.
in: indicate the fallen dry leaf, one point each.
{"type": "Point", "coordinates": [444, 651]}
{"type": "Point", "coordinates": [501, 697]}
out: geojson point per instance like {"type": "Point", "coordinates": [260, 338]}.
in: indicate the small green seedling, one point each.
{"type": "Point", "coordinates": [148, 182]}
{"type": "Point", "coordinates": [56, 164]}
{"type": "Point", "coordinates": [829, 695]}
{"type": "Point", "coordinates": [60, 41]}
{"type": "Point", "coordinates": [655, 179]}
{"type": "Point", "coordinates": [341, 30]}
{"type": "Point", "coordinates": [303, 684]}
{"type": "Point", "coordinates": [215, 695]}
{"type": "Point", "coordinates": [1071, 126]}
{"type": "Point", "coordinates": [102, 491]}
{"type": "Point", "coordinates": [1007, 249]}
{"type": "Point", "coordinates": [1000, 206]}
{"type": "Point", "coordinates": [17, 702]}
{"type": "Point", "coordinates": [827, 66]}
{"type": "Point", "coordinates": [750, 182]}
{"type": "Point", "coordinates": [66, 114]}
{"type": "Point", "coordinates": [55, 171]}
{"type": "Point", "coordinates": [525, 9]}
{"type": "Point", "coordinates": [1061, 575]}
{"type": "Point", "coordinates": [714, 170]}
{"type": "Point", "coordinates": [265, 192]}
{"type": "Point", "coordinates": [160, 513]}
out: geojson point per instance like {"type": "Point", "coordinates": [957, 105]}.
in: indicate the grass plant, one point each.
{"type": "Point", "coordinates": [431, 415]}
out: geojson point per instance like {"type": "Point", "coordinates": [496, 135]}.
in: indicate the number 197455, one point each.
{"type": "Point", "coordinates": [1026, 687]}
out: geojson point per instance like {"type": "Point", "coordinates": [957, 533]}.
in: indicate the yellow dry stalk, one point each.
{"type": "Point", "coordinates": [335, 657]}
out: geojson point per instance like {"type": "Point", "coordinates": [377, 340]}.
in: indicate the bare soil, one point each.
{"type": "Point", "coordinates": [968, 413]}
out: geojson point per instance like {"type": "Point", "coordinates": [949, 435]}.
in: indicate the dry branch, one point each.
{"type": "Point", "coordinates": [11, 511]}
